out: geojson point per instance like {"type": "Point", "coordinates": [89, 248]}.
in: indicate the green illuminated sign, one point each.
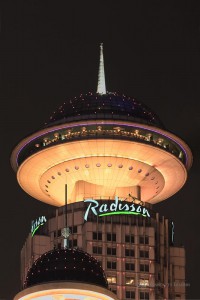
{"type": "Point", "coordinates": [117, 207]}
{"type": "Point", "coordinates": [36, 224]}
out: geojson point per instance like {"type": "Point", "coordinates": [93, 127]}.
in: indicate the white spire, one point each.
{"type": "Point", "coordinates": [101, 87]}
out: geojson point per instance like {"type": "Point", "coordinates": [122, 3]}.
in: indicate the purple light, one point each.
{"type": "Point", "coordinates": [104, 122]}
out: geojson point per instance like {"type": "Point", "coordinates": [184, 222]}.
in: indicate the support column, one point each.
{"type": "Point", "coordinates": [138, 192]}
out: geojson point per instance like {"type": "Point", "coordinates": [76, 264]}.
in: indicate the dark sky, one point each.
{"type": "Point", "coordinates": [49, 53]}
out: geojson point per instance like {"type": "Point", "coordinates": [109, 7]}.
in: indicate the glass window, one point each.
{"type": "Point", "coordinates": [144, 295]}
{"type": "Point", "coordinates": [74, 229]}
{"type": "Point", "coordinates": [97, 250]}
{"type": "Point", "coordinates": [143, 282]}
{"type": "Point", "coordinates": [129, 266]}
{"type": "Point", "coordinates": [144, 268]}
{"type": "Point", "coordinates": [130, 295]}
{"type": "Point", "coordinates": [159, 276]}
{"type": "Point", "coordinates": [111, 251]}
{"type": "Point", "coordinates": [129, 238]}
{"type": "Point", "coordinates": [97, 236]}
{"type": "Point", "coordinates": [111, 265]}
{"type": "Point", "coordinates": [112, 279]}
{"type": "Point", "coordinates": [111, 237]}
{"type": "Point", "coordinates": [129, 252]}
{"type": "Point", "coordinates": [72, 243]}
{"type": "Point", "coordinates": [144, 239]}
{"type": "Point", "coordinates": [144, 253]}
{"type": "Point", "coordinates": [129, 280]}
{"type": "Point", "coordinates": [70, 229]}
{"type": "Point", "coordinates": [141, 240]}
{"type": "Point", "coordinates": [94, 235]}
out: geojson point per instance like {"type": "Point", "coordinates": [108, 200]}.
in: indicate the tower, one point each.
{"type": "Point", "coordinates": [109, 157]}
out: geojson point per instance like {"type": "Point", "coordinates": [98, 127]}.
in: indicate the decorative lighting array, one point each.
{"type": "Point", "coordinates": [127, 105]}
{"type": "Point", "coordinates": [91, 131]}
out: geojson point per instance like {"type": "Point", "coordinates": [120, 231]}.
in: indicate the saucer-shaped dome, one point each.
{"type": "Point", "coordinates": [66, 264]}
{"type": "Point", "coordinates": [105, 107]}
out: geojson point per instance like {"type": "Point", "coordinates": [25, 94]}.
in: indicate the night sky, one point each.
{"type": "Point", "coordinates": [50, 52]}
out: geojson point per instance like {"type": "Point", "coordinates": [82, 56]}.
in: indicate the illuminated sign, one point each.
{"type": "Point", "coordinates": [37, 223]}
{"type": "Point", "coordinates": [116, 207]}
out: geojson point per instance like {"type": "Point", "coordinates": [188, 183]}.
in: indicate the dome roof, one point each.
{"type": "Point", "coordinates": [66, 264]}
{"type": "Point", "coordinates": [108, 106]}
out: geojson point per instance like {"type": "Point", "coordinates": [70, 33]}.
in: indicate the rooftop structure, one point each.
{"type": "Point", "coordinates": [103, 159]}
{"type": "Point", "coordinates": [66, 274]}
{"type": "Point", "coordinates": [104, 143]}
{"type": "Point", "coordinates": [66, 264]}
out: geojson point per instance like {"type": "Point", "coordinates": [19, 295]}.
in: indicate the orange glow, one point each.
{"type": "Point", "coordinates": [65, 291]}
{"type": "Point", "coordinates": [45, 173]}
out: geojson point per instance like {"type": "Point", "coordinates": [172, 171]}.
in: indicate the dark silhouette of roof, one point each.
{"type": "Point", "coordinates": [66, 264]}
{"type": "Point", "coordinates": [108, 106]}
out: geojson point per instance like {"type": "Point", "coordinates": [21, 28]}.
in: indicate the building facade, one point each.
{"type": "Point", "coordinates": [136, 252]}
{"type": "Point", "coordinates": [103, 160]}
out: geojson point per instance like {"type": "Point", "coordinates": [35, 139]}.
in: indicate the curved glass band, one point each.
{"type": "Point", "coordinates": [101, 131]}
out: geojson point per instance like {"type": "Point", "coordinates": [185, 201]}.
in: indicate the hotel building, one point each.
{"type": "Point", "coordinates": [103, 160]}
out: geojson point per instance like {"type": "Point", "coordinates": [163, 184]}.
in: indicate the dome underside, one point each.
{"type": "Point", "coordinates": [66, 264]}
{"type": "Point", "coordinates": [108, 106]}
{"type": "Point", "coordinates": [46, 182]}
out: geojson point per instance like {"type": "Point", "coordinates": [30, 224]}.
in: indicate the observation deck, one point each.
{"type": "Point", "coordinates": [109, 153]}
{"type": "Point", "coordinates": [102, 145]}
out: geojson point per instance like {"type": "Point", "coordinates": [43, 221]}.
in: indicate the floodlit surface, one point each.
{"type": "Point", "coordinates": [102, 168]}
{"type": "Point", "coordinates": [65, 290]}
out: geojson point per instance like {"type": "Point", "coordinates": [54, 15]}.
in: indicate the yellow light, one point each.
{"type": "Point", "coordinates": [60, 290]}
{"type": "Point", "coordinates": [39, 168]}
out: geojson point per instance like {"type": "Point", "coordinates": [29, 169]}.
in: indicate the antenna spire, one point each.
{"type": "Point", "coordinates": [101, 86]}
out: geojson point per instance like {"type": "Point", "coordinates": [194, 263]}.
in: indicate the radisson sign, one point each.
{"type": "Point", "coordinates": [116, 207]}
{"type": "Point", "coordinates": [37, 223]}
